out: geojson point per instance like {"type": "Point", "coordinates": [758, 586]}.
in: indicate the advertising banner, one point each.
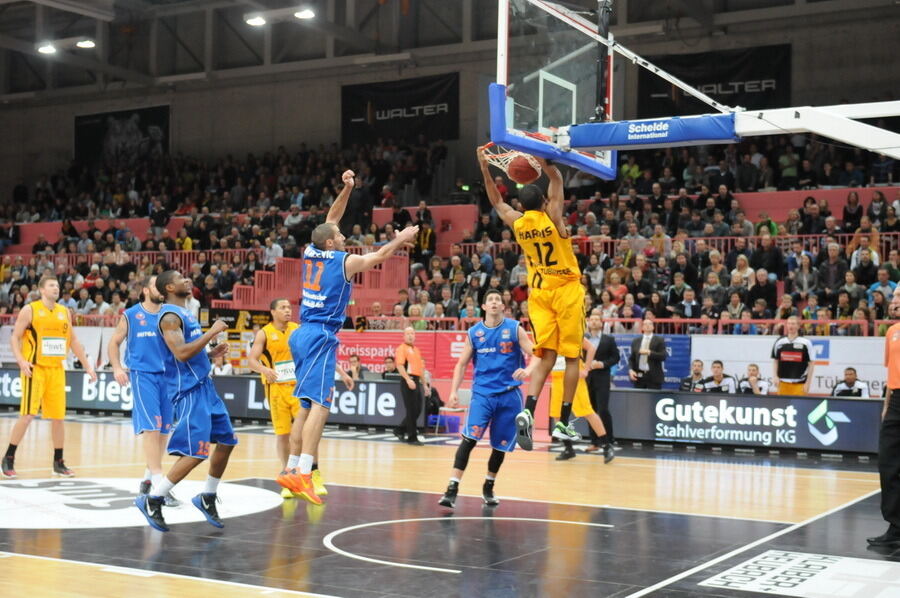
{"type": "Point", "coordinates": [757, 77]}
{"type": "Point", "coordinates": [122, 140]}
{"type": "Point", "coordinates": [374, 403]}
{"type": "Point", "coordinates": [693, 130]}
{"type": "Point", "coordinates": [402, 109]}
{"type": "Point", "coordinates": [676, 366]}
{"type": "Point", "coordinates": [805, 423]}
{"type": "Point", "coordinates": [832, 355]}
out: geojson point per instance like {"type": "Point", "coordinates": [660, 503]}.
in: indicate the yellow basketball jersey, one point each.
{"type": "Point", "coordinates": [551, 261]}
{"type": "Point", "coordinates": [46, 341]}
{"type": "Point", "coordinates": [277, 354]}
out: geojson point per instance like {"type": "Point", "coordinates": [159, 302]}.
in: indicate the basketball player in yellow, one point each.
{"type": "Point", "coordinates": [270, 356]}
{"type": "Point", "coordinates": [41, 339]}
{"type": "Point", "coordinates": [581, 402]}
{"type": "Point", "coordinates": [555, 298]}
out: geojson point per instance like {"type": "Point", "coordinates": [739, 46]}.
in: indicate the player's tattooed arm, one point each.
{"type": "Point", "coordinates": [173, 336]}
{"type": "Point", "coordinates": [555, 197]}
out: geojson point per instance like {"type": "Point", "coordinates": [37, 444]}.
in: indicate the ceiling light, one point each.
{"type": "Point", "coordinates": [47, 48]}
{"type": "Point", "coordinates": [306, 13]}
{"type": "Point", "coordinates": [85, 44]}
{"type": "Point", "coordinates": [256, 21]}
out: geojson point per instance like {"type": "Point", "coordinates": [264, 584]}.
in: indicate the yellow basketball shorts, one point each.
{"type": "Point", "coordinates": [557, 318]}
{"type": "Point", "coordinates": [283, 405]}
{"type": "Point", "coordinates": [581, 404]}
{"type": "Point", "coordinates": [44, 392]}
{"type": "Point", "coordinates": [790, 389]}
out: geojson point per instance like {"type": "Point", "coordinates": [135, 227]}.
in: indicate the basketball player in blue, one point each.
{"type": "Point", "coordinates": [201, 417]}
{"type": "Point", "coordinates": [497, 346]}
{"type": "Point", "coordinates": [151, 412]}
{"type": "Point", "coordinates": [327, 274]}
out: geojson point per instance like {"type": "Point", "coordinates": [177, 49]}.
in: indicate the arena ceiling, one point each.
{"type": "Point", "coordinates": [150, 43]}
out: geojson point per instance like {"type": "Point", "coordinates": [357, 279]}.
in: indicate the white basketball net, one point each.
{"type": "Point", "coordinates": [501, 157]}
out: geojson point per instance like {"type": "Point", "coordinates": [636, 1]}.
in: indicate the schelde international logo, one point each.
{"type": "Point", "coordinates": [823, 423]}
{"type": "Point", "coordinates": [86, 503]}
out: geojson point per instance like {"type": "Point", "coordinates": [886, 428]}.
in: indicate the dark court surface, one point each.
{"type": "Point", "coordinates": [519, 549]}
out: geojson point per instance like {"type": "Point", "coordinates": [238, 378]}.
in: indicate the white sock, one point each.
{"type": "Point", "coordinates": [293, 461]}
{"type": "Point", "coordinates": [156, 478]}
{"type": "Point", "coordinates": [490, 477]}
{"type": "Point", "coordinates": [211, 484]}
{"type": "Point", "coordinates": [306, 463]}
{"type": "Point", "coordinates": [147, 474]}
{"type": "Point", "coordinates": [454, 479]}
{"type": "Point", "coordinates": [162, 487]}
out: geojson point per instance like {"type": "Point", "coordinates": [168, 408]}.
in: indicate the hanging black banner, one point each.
{"type": "Point", "coordinates": [124, 139]}
{"type": "Point", "coordinates": [402, 109]}
{"type": "Point", "coordinates": [752, 78]}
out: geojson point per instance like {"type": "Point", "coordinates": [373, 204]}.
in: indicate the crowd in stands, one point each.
{"type": "Point", "coordinates": [668, 239]}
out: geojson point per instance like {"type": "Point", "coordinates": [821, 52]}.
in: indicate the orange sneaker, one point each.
{"type": "Point", "coordinates": [288, 479]}
{"type": "Point", "coordinates": [305, 488]}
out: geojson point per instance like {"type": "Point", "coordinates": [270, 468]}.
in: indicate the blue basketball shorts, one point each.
{"type": "Point", "coordinates": [314, 349]}
{"type": "Point", "coordinates": [201, 420]}
{"type": "Point", "coordinates": [151, 409]}
{"type": "Point", "coordinates": [497, 411]}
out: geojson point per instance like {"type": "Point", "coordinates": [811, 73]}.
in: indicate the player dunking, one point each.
{"type": "Point", "coordinates": [151, 414]}
{"type": "Point", "coordinates": [556, 297]}
{"type": "Point", "coordinates": [327, 274]}
{"type": "Point", "coordinates": [497, 345]}
{"type": "Point", "coordinates": [270, 356]}
{"type": "Point", "coordinates": [202, 418]}
{"type": "Point", "coordinates": [41, 339]}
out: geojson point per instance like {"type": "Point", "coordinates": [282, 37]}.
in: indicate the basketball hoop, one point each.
{"type": "Point", "coordinates": [502, 157]}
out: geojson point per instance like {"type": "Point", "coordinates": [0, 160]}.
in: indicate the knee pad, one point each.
{"type": "Point", "coordinates": [462, 453]}
{"type": "Point", "coordinates": [496, 460]}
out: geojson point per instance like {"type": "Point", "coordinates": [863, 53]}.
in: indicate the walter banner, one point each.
{"type": "Point", "coordinates": [402, 109]}
{"type": "Point", "coordinates": [758, 77]}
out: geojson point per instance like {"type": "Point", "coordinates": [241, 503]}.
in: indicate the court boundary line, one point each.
{"type": "Point", "coordinates": [684, 574]}
{"type": "Point", "coordinates": [328, 540]}
{"type": "Point", "coordinates": [575, 504]}
{"type": "Point", "coordinates": [107, 568]}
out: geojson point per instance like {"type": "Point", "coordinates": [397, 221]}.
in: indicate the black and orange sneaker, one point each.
{"type": "Point", "coordinates": [8, 470]}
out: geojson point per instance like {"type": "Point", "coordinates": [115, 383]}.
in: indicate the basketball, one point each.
{"type": "Point", "coordinates": [522, 171]}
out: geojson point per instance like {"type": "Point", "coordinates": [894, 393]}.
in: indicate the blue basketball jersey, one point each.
{"type": "Point", "coordinates": [326, 290]}
{"type": "Point", "coordinates": [144, 349]}
{"type": "Point", "coordinates": [496, 356]}
{"type": "Point", "coordinates": [183, 376]}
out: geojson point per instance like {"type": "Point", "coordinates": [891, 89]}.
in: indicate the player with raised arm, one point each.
{"type": "Point", "coordinates": [201, 416]}
{"type": "Point", "coordinates": [328, 271]}
{"type": "Point", "coordinates": [152, 411]}
{"type": "Point", "coordinates": [497, 347]}
{"type": "Point", "coordinates": [270, 356]}
{"type": "Point", "coordinates": [556, 297]}
{"type": "Point", "coordinates": [41, 339]}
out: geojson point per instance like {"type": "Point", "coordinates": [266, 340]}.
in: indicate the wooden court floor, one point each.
{"type": "Point", "coordinates": [696, 487]}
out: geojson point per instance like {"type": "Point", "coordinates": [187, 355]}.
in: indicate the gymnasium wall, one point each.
{"type": "Point", "coordinates": [832, 62]}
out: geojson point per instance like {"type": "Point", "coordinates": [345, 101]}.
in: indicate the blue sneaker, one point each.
{"type": "Point", "coordinates": [206, 502]}
{"type": "Point", "coordinates": [151, 507]}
